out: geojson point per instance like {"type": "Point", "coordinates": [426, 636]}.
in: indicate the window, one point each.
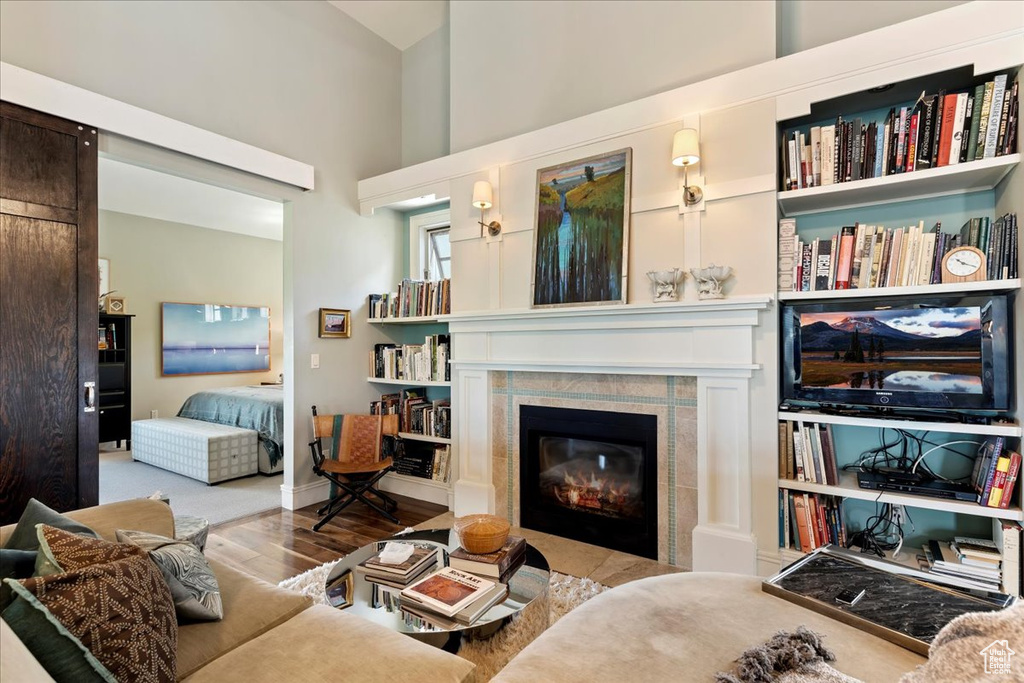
{"type": "Point", "coordinates": [439, 254]}
{"type": "Point", "coordinates": [430, 251]}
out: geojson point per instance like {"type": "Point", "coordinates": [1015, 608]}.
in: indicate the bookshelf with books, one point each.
{"type": "Point", "coordinates": [872, 199]}
{"type": "Point", "coordinates": [115, 378]}
{"type": "Point", "coordinates": [414, 366]}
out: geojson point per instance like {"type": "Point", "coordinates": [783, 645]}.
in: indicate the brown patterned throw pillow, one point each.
{"type": "Point", "coordinates": [113, 599]}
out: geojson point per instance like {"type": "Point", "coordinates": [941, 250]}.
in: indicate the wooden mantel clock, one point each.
{"type": "Point", "coordinates": [963, 264]}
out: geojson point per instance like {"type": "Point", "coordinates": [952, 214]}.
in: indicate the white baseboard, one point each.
{"type": "Point", "coordinates": [720, 549]}
{"type": "Point", "coordinates": [295, 497]}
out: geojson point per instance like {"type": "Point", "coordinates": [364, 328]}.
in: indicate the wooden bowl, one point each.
{"type": "Point", "coordinates": [481, 534]}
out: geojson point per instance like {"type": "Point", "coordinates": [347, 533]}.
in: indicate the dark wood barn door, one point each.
{"type": "Point", "coordinates": [48, 312]}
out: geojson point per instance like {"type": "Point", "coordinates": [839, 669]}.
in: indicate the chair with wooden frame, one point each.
{"type": "Point", "coordinates": [346, 450]}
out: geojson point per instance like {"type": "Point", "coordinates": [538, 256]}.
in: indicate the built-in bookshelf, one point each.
{"type": "Point", "coordinates": [414, 363]}
{"type": "Point", "coordinates": [881, 167]}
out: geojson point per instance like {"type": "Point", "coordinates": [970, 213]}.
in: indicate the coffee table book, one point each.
{"type": "Point", "coordinates": [421, 556]}
{"type": "Point", "coordinates": [492, 565]}
{"type": "Point", "coordinates": [394, 581]}
{"type": "Point", "coordinates": [447, 591]}
{"type": "Point", "coordinates": [466, 616]}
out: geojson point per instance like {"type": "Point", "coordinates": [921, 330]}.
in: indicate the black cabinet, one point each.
{"type": "Point", "coordinates": [115, 378]}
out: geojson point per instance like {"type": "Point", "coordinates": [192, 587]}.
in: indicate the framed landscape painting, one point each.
{"type": "Point", "coordinates": [581, 236]}
{"type": "Point", "coordinates": [207, 339]}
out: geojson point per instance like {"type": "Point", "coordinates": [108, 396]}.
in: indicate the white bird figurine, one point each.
{"type": "Point", "coordinates": [710, 279]}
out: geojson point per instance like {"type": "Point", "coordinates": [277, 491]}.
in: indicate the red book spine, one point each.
{"type": "Point", "coordinates": [946, 136]}
{"type": "Point", "coordinates": [845, 263]}
{"type": "Point", "coordinates": [912, 144]}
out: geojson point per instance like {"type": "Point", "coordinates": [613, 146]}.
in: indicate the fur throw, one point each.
{"type": "Point", "coordinates": [797, 657]}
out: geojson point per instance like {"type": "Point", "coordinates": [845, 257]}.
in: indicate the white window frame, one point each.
{"type": "Point", "coordinates": [419, 226]}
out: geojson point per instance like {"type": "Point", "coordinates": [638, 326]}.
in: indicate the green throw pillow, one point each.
{"type": "Point", "coordinates": [14, 564]}
{"type": "Point", "coordinates": [193, 585]}
{"type": "Point", "coordinates": [25, 536]}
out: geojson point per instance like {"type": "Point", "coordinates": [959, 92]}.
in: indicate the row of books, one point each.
{"type": "Point", "coordinates": [807, 452]}
{"type": "Point", "coordinates": [425, 460]}
{"type": "Point", "coordinates": [865, 256]}
{"type": "Point", "coordinates": [938, 130]}
{"type": "Point", "coordinates": [426, 362]}
{"type": "Point", "coordinates": [995, 473]}
{"type": "Point", "coordinates": [417, 414]}
{"type": "Point", "coordinates": [809, 520]}
{"type": "Point", "coordinates": [414, 298]}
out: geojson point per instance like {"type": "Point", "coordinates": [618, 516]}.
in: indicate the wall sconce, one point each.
{"type": "Point", "coordinates": [483, 200]}
{"type": "Point", "coordinates": [686, 152]}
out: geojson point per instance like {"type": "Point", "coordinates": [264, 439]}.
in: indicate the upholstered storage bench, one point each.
{"type": "Point", "coordinates": [201, 450]}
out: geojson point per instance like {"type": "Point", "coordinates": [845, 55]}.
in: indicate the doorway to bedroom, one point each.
{"type": "Point", "coordinates": [165, 240]}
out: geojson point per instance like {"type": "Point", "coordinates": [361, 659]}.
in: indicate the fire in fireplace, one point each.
{"type": "Point", "coordinates": [594, 476]}
{"type": "Point", "coordinates": [590, 475]}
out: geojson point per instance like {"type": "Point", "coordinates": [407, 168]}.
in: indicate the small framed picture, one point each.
{"type": "Point", "coordinates": [335, 322]}
{"type": "Point", "coordinates": [339, 590]}
{"type": "Point", "coordinates": [116, 304]}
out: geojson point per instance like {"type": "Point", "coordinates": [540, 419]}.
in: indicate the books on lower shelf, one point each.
{"type": "Point", "coordinates": [492, 565]}
{"type": "Point", "coordinates": [414, 298]}
{"type": "Point", "coordinates": [865, 256]}
{"type": "Point", "coordinates": [941, 129]}
{"type": "Point", "coordinates": [426, 362]}
{"type": "Point", "coordinates": [418, 414]}
{"type": "Point", "coordinates": [425, 460]}
{"type": "Point", "coordinates": [447, 591]}
{"type": "Point", "coordinates": [809, 520]}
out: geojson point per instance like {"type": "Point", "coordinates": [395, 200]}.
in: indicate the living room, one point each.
{"type": "Point", "coordinates": [464, 105]}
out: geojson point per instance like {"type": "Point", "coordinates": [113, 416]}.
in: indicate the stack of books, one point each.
{"type": "Point", "coordinates": [937, 130]}
{"type": "Point", "coordinates": [451, 597]}
{"type": "Point", "coordinates": [862, 256]}
{"type": "Point", "coordinates": [424, 557]}
{"type": "Point", "coordinates": [995, 473]}
{"type": "Point", "coordinates": [497, 565]}
{"type": "Point", "coordinates": [980, 569]}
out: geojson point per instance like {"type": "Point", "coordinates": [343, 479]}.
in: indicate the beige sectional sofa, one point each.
{"type": "Point", "coordinates": [267, 633]}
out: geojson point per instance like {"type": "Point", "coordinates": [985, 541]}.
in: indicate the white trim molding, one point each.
{"type": "Point", "coordinates": [45, 94]}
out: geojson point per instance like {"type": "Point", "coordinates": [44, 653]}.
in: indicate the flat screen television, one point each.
{"type": "Point", "coordinates": [945, 353]}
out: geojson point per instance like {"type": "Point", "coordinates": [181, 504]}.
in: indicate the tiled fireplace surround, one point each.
{"type": "Point", "coordinates": [673, 400]}
{"type": "Point", "coordinates": [690, 364]}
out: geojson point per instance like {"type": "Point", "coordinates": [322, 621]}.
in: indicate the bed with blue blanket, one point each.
{"type": "Point", "coordinates": [260, 408]}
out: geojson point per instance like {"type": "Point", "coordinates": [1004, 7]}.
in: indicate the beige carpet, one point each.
{"type": "Point", "coordinates": [564, 594]}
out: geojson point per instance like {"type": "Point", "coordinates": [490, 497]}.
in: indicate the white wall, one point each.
{"type": "Point", "coordinates": [425, 97]}
{"type": "Point", "coordinates": [520, 65]}
{"type": "Point", "coordinates": [297, 78]}
{"type": "Point", "coordinates": [803, 24]}
{"type": "Point", "coordinates": [152, 261]}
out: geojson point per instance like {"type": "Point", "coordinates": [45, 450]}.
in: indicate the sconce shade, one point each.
{"type": "Point", "coordinates": [482, 198]}
{"type": "Point", "coordinates": [685, 147]}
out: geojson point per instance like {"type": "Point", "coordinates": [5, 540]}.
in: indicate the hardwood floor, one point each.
{"type": "Point", "coordinates": [278, 544]}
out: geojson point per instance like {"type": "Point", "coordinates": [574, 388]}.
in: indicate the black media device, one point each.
{"type": "Point", "coordinates": [916, 486]}
{"type": "Point", "coordinates": [920, 358]}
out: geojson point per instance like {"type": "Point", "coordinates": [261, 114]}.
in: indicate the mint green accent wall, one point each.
{"type": "Point", "coordinates": [405, 234]}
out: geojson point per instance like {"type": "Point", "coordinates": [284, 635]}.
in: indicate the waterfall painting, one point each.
{"type": "Point", "coordinates": [581, 237]}
{"type": "Point", "coordinates": [204, 339]}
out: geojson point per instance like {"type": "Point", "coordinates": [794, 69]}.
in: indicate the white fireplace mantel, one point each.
{"type": "Point", "coordinates": [710, 340]}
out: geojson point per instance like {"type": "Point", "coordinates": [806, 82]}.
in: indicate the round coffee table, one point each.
{"type": "Point", "coordinates": [527, 588]}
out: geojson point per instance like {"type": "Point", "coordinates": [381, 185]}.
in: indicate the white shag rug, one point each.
{"type": "Point", "coordinates": [565, 593]}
